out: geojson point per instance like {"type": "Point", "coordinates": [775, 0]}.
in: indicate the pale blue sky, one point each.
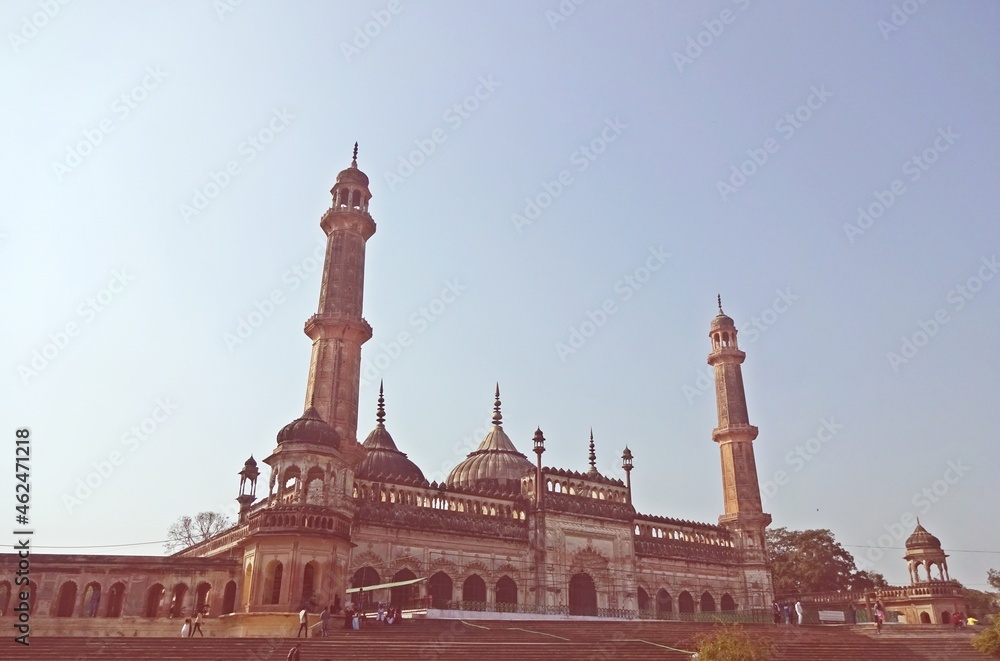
{"type": "Point", "coordinates": [830, 304]}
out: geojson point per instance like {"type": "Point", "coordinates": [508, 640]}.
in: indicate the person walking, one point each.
{"type": "Point", "coordinates": [799, 612]}
{"type": "Point", "coordinates": [197, 626]}
{"type": "Point", "coordinates": [776, 612]}
{"type": "Point", "coordinates": [786, 612]}
{"type": "Point", "coordinates": [293, 654]}
{"type": "Point", "coordinates": [324, 622]}
{"type": "Point", "coordinates": [852, 615]}
{"type": "Point", "coordinates": [303, 623]}
{"type": "Point", "coordinates": [879, 616]}
{"type": "Point", "coordinates": [186, 629]}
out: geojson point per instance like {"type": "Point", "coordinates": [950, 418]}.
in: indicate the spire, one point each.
{"type": "Point", "coordinates": [593, 455]}
{"type": "Point", "coordinates": [497, 416]}
{"type": "Point", "coordinates": [354, 160]}
{"type": "Point", "coordinates": [380, 413]}
{"type": "Point", "coordinates": [718, 297]}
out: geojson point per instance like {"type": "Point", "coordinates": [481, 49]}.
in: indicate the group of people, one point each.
{"type": "Point", "coordinates": [354, 617]}
{"type": "Point", "coordinates": [192, 626]}
{"type": "Point", "coordinates": [784, 613]}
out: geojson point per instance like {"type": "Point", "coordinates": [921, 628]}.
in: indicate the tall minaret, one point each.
{"type": "Point", "coordinates": [744, 514]}
{"type": "Point", "coordinates": [337, 329]}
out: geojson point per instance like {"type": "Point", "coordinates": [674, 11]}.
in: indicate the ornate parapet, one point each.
{"type": "Point", "coordinates": [673, 549]}
{"type": "Point", "coordinates": [416, 518]}
{"type": "Point", "coordinates": [589, 506]}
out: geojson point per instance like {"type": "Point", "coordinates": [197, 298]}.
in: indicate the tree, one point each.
{"type": "Point", "coordinates": [733, 643]}
{"type": "Point", "coordinates": [812, 561]}
{"type": "Point", "coordinates": [988, 641]}
{"type": "Point", "coordinates": [994, 578]}
{"type": "Point", "coordinates": [186, 531]}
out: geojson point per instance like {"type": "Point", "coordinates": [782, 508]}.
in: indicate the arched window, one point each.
{"type": "Point", "coordinates": [643, 598]}
{"type": "Point", "coordinates": [272, 582]}
{"type": "Point", "coordinates": [685, 602]}
{"type": "Point", "coordinates": [153, 598]}
{"type": "Point", "coordinates": [707, 603]}
{"type": "Point", "coordinates": [506, 593]}
{"type": "Point", "coordinates": [201, 597]}
{"type": "Point", "coordinates": [116, 600]}
{"type": "Point", "coordinates": [664, 603]}
{"type": "Point", "coordinates": [308, 581]}
{"type": "Point", "coordinates": [229, 598]}
{"type": "Point", "coordinates": [727, 603]}
{"type": "Point", "coordinates": [403, 596]}
{"type": "Point", "coordinates": [91, 599]}
{"type": "Point", "coordinates": [925, 618]}
{"type": "Point", "coordinates": [440, 589]}
{"type": "Point", "coordinates": [67, 600]}
{"type": "Point", "coordinates": [474, 589]}
{"type": "Point", "coordinates": [945, 617]}
{"type": "Point", "coordinates": [582, 595]}
{"type": "Point", "coordinates": [177, 600]}
{"type": "Point", "coordinates": [314, 486]}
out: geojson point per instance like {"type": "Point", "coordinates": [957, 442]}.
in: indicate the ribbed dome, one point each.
{"type": "Point", "coordinates": [384, 461]}
{"type": "Point", "coordinates": [352, 174]}
{"type": "Point", "coordinates": [309, 428]}
{"type": "Point", "coordinates": [921, 539]}
{"type": "Point", "coordinates": [722, 320]}
{"type": "Point", "coordinates": [495, 464]}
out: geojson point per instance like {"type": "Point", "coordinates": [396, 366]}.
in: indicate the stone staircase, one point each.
{"type": "Point", "coordinates": [509, 640]}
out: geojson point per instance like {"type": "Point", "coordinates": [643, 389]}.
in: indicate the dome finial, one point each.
{"type": "Point", "coordinates": [593, 455]}
{"type": "Point", "coordinates": [354, 160]}
{"type": "Point", "coordinates": [718, 298]}
{"type": "Point", "coordinates": [497, 416]}
{"type": "Point", "coordinates": [380, 413]}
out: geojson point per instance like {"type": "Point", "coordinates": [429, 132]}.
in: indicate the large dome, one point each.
{"type": "Point", "coordinates": [921, 539]}
{"type": "Point", "coordinates": [310, 428]}
{"type": "Point", "coordinates": [384, 461]}
{"type": "Point", "coordinates": [495, 464]}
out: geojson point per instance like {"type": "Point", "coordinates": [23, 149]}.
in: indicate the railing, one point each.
{"type": "Point", "coordinates": [744, 616]}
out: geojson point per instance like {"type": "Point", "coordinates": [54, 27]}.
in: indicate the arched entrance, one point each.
{"type": "Point", "coordinates": [664, 603]}
{"type": "Point", "coordinates": [506, 594]}
{"type": "Point", "coordinates": [91, 599]}
{"type": "Point", "coordinates": [116, 599]}
{"type": "Point", "coordinates": [727, 603]}
{"type": "Point", "coordinates": [474, 590]}
{"type": "Point", "coordinates": [439, 587]}
{"type": "Point", "coordinates": [402, 596]}
{"type": "Point", "coordinates": [177, 600]}
{"type": "Point", "coordinates": [201, 597]}
{"type": "Point", "coordinates": [685, 602]}
{"type": "Point", "coordinates": [707, 603]}
{"type": "Point", "coordinates": [229, 598]}
{"type": "Point", "coordinates": [67, 600]}
{"type": "Point", "coordinates": [945, 617]}
{"type": "Point", "coordinates": [643, 599]}
{"type": "Point", "coordinates": [582, 595]}
{"type": "Point", "coordinates": [153, 598]}
{"type": "Point", "coordinates": [364, 578]}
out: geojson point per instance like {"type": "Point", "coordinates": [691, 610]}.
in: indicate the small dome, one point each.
{"type": "Point", "coordinates": [250, 463]}
{"type": "Point", "coordinates": [495, 464]}
{"type": "Point", "coordinates": [722, 320]}
{"type": "Point", "coordinates": [921, 539]}
{"type": "Point", "coordinates": [353, 175]}
{"type": "Point", "coordinates": [384, 460]}
{"type": "Point", "coordinates": [309, 428]}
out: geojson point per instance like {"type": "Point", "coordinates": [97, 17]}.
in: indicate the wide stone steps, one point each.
{"type": "Point", "coordinates": [427, 640]}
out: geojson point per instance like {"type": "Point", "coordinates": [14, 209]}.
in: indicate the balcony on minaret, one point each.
{"type": "Point", "coordinates": [346, 325]}
{"type": "Point", "coordinates": [737, 432]}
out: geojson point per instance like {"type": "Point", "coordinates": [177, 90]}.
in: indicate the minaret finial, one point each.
{"type": "Point", "coordinates": [593, 455]}
{"type": "Point", "coordinates": [354, 161]}
{"type": "Point", "coordinates": [380, 414]}
{"type": "Point", "coordinates": [497, 417]}
{"type": "Point", "coordinates": [718, 297]}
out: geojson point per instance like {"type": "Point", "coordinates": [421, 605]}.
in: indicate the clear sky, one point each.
{"type": "Point", "coordinates": [560, 194]}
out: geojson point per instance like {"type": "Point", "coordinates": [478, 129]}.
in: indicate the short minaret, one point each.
{"type": "Point", "coordinates": [338, 329]}
{"type": "Point", "coordinates": [592, 457]}
{"type": "Point", "coordinates": [744, 514]}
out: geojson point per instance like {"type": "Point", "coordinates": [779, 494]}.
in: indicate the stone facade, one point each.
{"type": "Point", "coordinates": [502, 533]}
